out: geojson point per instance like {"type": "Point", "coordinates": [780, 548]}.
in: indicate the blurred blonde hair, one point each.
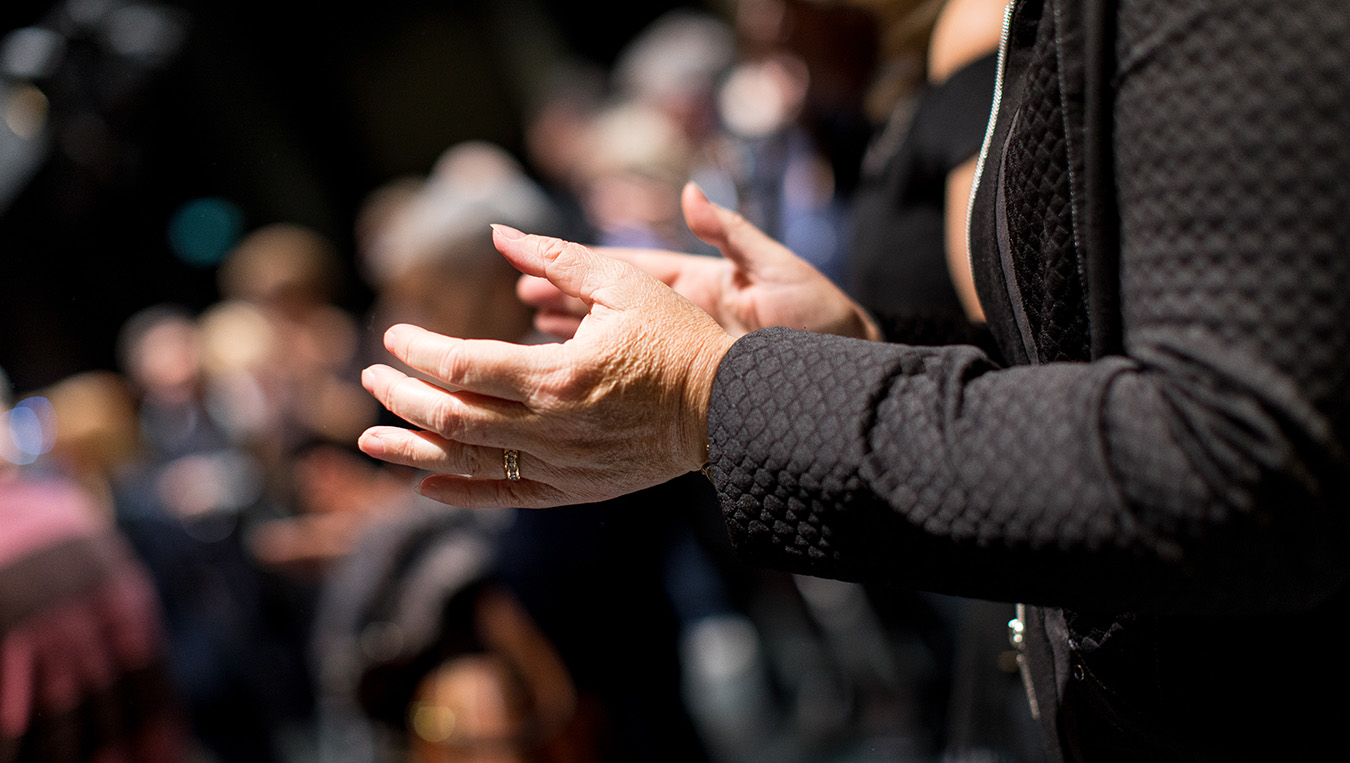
{"type": "Point", "coordinates": [96, 420]}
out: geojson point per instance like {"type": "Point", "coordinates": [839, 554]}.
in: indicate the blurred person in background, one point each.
{"type": "Point", "coordinates": [918, 169]}
{"type": "Point", "coordinates": [82, 646]}
{"type": "Point", "coordinates": [629, 174]}
{"type": "Point", "coordinates": [186, 501]}
{"type": "Point", "coordinates": [793, 122]}
{"type": "Point", "coordinates": [556, 125]}
{"type": "Point", "coordinates": [423, 255]}
{"type": "Point", "coordinates": [292, 276]}
{"type": "Point", "coordinates": [755, 98]}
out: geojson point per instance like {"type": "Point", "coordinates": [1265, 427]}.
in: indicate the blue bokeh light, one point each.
{"type": "Point", "coordinates": [27, 431]}
{"type": "Point", "coordinates": [203, 230]}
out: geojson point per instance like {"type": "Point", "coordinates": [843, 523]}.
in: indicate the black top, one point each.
{"type": "Point", "coordinates": [897, 254]}
{"type": "Point", "coordinates": [1181, 499]}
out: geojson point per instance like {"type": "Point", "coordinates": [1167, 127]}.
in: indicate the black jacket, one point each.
{"type": "Point", "coordinates": [1157, 458]}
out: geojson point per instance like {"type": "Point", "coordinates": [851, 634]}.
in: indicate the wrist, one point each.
{"type": "Point", "coordinates": [699, 388]}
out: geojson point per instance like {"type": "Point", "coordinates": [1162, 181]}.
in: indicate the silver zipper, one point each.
{"type": "Point", "coordinates": [989, 128]}
{"type": "Point", "coordinates": [1017, 636]}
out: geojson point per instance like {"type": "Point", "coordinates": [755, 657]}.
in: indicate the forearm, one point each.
{"type": "Point", "coordinates": [1069, 484]}
{"type": "Point", "coordinates": [1204, 468]}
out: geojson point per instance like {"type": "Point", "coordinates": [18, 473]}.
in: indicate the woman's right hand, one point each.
{"type": "Point", "coordinates": [757, 282]}
{"type": "Point", "coordinates": [620, 406]}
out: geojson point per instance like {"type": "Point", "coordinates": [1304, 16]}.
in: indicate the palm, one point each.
{"type": "Point", "coordinates": [757, 282]}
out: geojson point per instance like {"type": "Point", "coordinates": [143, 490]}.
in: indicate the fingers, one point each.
{"type": "Point", "coordinates": [461, 416]}
{"type": "Point", "coordinates": [431, 452]}
{"type": "Point", "coordinates": [575, 269]}
{"type": "Point", "coordinates": [540, 294]}
{"type": "Point", "coordinates": [469, 476]}
{"type": "Point", "coordinates": [739, 240]}
{"type": "Point", "coordinates": [561, 325]}
{"type": "Point", "coordinates": [483, 494]}
{"type": "Point", "coordinates": [702, 216]}
{"type": "Point", "coordinates": [556, 314]}
{"type": "Point", "coordinates": [473, 476]}
{"type": "Point", "coordinates": [497, 369]}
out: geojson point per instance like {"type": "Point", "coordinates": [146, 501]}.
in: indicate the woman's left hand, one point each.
{"type": "Point", "coordinates": [756, 283]}
{"type": "Point", "coordinates": [620, 406]}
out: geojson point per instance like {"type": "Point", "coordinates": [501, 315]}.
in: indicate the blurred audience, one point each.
{"type": "Point", "coordinates": [634, 162]}
{"type": "Point", "coordinates": [298, 600]}
{"type": "Point", "coordinates": [430, 259]}
{"type": "Point", "coordinates": [81, 639]}
{"type": "Point", "coordinates": [185, 501]}
{"type": "Point", "coordinates": [279, 336]}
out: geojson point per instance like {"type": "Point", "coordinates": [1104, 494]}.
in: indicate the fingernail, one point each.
{"type": "Point", "coordinates": [371, 444]}
{"type": "Point", "coordinates": [507, 232]}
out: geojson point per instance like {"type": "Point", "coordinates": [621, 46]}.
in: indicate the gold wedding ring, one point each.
{"type": "Point", "coordinates": [511, 463]}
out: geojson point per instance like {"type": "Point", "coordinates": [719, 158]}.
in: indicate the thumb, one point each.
{"type": "Point", "coordinates": [737, 238]}
{"type": "Point", "coordinates": [575, 270]}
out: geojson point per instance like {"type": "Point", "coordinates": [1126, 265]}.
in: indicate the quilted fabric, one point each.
{"type": "Point", "coordinates": [1202, 469]}
{"type": "Point", "coordinates": [1185, 501]}
{"type": "Point", "coordinates": [1041, 218]}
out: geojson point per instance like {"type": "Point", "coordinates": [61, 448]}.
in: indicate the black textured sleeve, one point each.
{"type": "Point", "coordinates": [1204, 469]}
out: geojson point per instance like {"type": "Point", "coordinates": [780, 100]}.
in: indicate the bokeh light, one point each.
{"type": "Point", "coordinates": [203, 230]}
{"type": "Point", "coordinates": [27, 431]}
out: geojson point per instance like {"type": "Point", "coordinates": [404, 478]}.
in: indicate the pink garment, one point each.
{"type": "Point", "coordinates": [80, 632]}
{"type": "Point", "coordinates": [39, 513]}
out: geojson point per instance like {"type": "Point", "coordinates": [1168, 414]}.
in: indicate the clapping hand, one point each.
{"type": "Point", "coordinates": [620, 406]}
{"type": "Point", "coordinates": [755, 284]}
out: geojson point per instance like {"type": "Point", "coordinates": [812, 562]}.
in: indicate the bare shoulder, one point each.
{"type": "Point", "coordinates": [965, 31]}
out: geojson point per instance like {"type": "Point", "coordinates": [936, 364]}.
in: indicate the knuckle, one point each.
{"type": "Point", "coordinates": [445, 419]}
{"type": "Point", "coordinates": [552, 249]}
{"type": "Point", "coordinates": [471, 461]}
{"type": "Point", "coordinates": [407, 449]}
{"type": "Point", "coordinates": [500, 493]}
{"type": "Point", "coordinates": [561, 391]}
{"type": "Point", "coordinates": [399, 393]}
{"type": "Point", "coordinates": [450, 365]}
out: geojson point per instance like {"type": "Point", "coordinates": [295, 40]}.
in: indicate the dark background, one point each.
{"type": "Point", "coordinates": [283, 111]}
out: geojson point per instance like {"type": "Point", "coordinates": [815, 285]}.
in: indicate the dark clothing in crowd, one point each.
{"type": "Point", "coordinates": [402, 603]}
{"type": "Point", "coordinates": [1154, 455]}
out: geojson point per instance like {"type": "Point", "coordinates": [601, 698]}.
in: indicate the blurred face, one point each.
{"type": "Point", "coordinates": [473, 305]}
{"type": "Point", "coordinates": [471, 710]}
{"type": "Point", "coordinates": [166, 359]}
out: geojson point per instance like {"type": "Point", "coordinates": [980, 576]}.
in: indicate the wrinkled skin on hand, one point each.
{"type": "Point", "coordinates": [620, 406]}
{"type": "Point", "coordinates": [755, 284]}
